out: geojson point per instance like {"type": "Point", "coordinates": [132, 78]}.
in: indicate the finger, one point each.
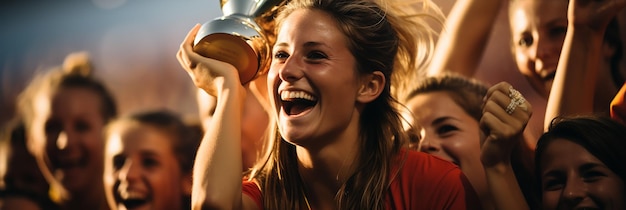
{"type": "Point", "coordinates": [502, 87]}
{"type": "Point", "coordinates": [519, 116]}
{"type": "Point", "coordinates": [499, 98]}
{"type": "Point", "coordinates": [497, 128]}
{"type": "Point", "coordinates": [191, 36]}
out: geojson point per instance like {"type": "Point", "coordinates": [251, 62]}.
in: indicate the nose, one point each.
{"type": "Point", "coordinates": [574, 191]}
{"type": "Point", "coordinates": [129, 171]}
{"type": "Point", "coordinates": [62, 140]}
{"type": "Point", "coordinates": [67, 141]}
{"type": "Point", "coordinates": [543, 50]}
{"type": "Point", "coordinates": [429, 145]}
{"type": "Point", "coordinates": [291, 69]}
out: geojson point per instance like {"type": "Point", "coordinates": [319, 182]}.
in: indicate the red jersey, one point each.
{"type": "Point", "coordinates": [423, 182]}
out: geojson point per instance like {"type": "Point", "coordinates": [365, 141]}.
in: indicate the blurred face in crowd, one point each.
{"type": "Point", "coordinates": [448, 132]}
{"type": "Point", "coordinates": [572, 178]}
{"type": "Point", "coordinates": [74, 138]}
{"type": "Point", "coordinates": [142, 170]}
{"type": "Point", "coordinates": [538, 30]}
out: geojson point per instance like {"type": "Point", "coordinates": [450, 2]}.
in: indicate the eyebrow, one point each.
{"type": "Point", "coordinates": [306, 44]}
{"type": "Point", "coordinates": [551, 173]}
{"type": "Point", "coordinates": [555, 22]}
{"type": "Point", "coordinates": [584, 167]}
{"type": "Point", "coordinates": [588, 166]}
{"type": "Point", "coordinates": [441, 120]}
{"type": "Point", "coordinates": [148, 153]}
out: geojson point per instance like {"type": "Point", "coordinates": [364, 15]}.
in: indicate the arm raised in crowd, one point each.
{"type": "Point", "coordinates": [573, 91]}
{"type": "Point", "coordinates": [505, 115]}
{"type": "Point", "coordinates": [465, 36]}
{"type": "Point", "coordinates": [217, 169]}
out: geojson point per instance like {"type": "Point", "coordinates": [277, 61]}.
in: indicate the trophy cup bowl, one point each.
{"type": "Point", "coordinates": [236, 40]}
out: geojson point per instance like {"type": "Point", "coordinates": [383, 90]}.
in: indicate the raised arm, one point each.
{"type": "Point", "coordinates": [573, 90]}
{"type": "Point", "coordinates": [505, 115]}
{"type": "Point", "coordinates": [464, 38]}
{"type": "Point", "coordinates": [217, 176]}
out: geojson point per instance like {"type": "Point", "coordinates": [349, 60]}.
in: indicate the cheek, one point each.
{"type": "Point", "coordinates": [550, 199]}
{"type": "Point", "coordinates": [461, 148]}
{"type": "Point", "coordinates": [166, 188]}
{"type": "Point", "coordinates": [522, 62]}
{"type": "Point", "coordinates": [611, 191]}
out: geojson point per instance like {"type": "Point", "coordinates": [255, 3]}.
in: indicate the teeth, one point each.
{"type": "Point", "coordinates": [132, 195]}
{"type": "Point", "coordinates": [296, 95]}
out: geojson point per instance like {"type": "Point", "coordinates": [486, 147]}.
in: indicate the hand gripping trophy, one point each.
{"type": "Point", "coordinates": [236, 37]}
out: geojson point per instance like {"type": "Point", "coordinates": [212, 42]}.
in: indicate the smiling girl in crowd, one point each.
{"type": "Point", "coordinates": [148, 161]}
{"type": "Point", "coordinates": [580, 162]}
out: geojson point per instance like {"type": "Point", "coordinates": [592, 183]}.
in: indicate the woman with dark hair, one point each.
{"type": "Point", "coordinates": [580, 162]}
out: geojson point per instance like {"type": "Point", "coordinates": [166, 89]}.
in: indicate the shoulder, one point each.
{"type": "Point", "coordinates": [253, 192]}
{"type": "Point", "coordinates": [425, 180]}
{"type": "Point", "coordinates": [425, 164]}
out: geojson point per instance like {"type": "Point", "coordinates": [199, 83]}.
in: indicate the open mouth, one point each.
{"type": "Point", "coordinates": [132, 200]}
{"type": "Point", "coordinates": [297, 102]}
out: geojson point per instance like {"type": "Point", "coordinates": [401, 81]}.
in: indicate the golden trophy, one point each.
{"type": "Point", "coordinates": [236, 38]}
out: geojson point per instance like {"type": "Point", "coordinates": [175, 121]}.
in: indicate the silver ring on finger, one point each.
{"type": "Point", "coordinates": [516, 100]}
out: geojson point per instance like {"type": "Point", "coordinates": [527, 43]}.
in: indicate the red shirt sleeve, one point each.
{"type": "Point", "coordinates": [618, 105]}
{"type": "Point", "coordinates": [252, 190]}
{"type": "Point", "coordinates": [427, 182]}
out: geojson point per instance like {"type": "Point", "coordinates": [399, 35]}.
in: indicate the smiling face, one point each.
{"type": "Point", "coordinates": [448, 132]}
{"type": "Point", "coordinates": [141, 170]}
{"type": "Point", "coordinates": [572, 178]}
{"type": "Point", "coordinates": [538, 28]}
{"type": "Point", "coordinates": [313, 78]}
{"type": "Point", "coordinates": [74, 139]}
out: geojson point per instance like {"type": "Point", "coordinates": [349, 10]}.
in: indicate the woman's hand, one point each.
{"type": "Point", "coordinates": [595, 14]}
{"type": "Point", "coordinates": [505, 115]}
{"type": "Point", "coordinates": [208, 74]}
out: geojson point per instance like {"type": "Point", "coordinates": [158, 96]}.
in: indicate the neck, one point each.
{"type": "Point", "coordinates": [93, 198]}
{"type": "Point", "coordinates": [323, 172]}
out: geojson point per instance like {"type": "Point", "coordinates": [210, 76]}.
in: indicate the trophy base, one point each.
{"type": "Point", "coordinates": [230, 49]}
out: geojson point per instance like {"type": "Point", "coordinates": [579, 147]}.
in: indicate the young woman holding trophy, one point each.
{"type": "Point", "coordinates": [338, 138]}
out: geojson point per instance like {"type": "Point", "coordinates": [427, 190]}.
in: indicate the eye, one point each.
{"type": "Point", "coordinates": [82, 126]}
{"type": "Point", "coordinates": [446, 129]}
{"type": "Point", "coordinates": [592, 175]}
{"type": "Point", "coordinates": [552, 183]}
{"type": "Point", "coordinates": [281, 55]}
{"type": "Point", "coordinates": [316, 55]}
{"type": "Point", "coordinates": [53, 127]}
{"type": "Point", "coordinates": [525, 41]}
{"type": "Point", "coordinates": [149, 162]}
{"type": "Point", "coordinates": [118, 161]}
{"type": "Point", "coordinates": [557, 31]}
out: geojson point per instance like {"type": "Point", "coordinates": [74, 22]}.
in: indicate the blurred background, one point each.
{"type": "Point", "coordinates": [133, 43]}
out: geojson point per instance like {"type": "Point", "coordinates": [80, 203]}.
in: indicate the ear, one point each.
{"type": "Point", "coordinates": [186, 183]}
{"type": "Point", "coordinates": [372, 85]}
